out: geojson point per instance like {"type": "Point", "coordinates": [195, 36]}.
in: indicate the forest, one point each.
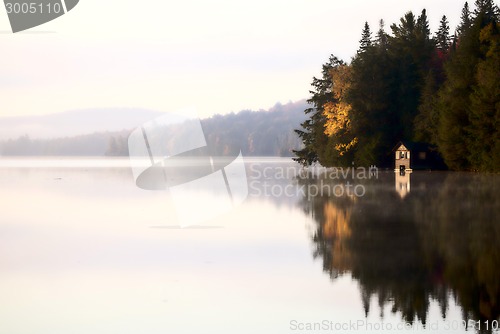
{"type": "Point", "coordinates": [441, 89]}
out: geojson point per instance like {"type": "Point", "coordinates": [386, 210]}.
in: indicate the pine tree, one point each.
{"type": "Point", "coordinates": [465, 20]}
{"type": "Point", "coordinates": [382, 38]}
{"type": "Point", "coordinates": [486, 11]}
{"type": "Point", "coordinates": [406, 29]}
{"type": "Point", "coordinates": [423, 25]}
{"type": "Point", "coordinates": [424, 47]}
{"type": "Point", "coordinates": [443, 35]}
{"type": "Point", "coordinates": [366, 38]}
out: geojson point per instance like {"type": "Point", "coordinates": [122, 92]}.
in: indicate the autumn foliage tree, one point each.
{"type": "Point", "coordinates": [315, 140]}
{"type": "Point", "coordinates": [337, 112]}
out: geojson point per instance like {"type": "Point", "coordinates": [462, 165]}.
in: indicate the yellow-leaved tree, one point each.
{"type": "Point", "coordinates": [338, 124]}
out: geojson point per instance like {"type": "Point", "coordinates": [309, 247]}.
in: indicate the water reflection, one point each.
{"type": "Point", "coordinates": [402, 182]}
{"type": "Point", "coordinates": [441, 242]}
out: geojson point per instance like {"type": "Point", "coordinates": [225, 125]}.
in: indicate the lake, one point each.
{"type": "Point", "coordinates": [84, 250]}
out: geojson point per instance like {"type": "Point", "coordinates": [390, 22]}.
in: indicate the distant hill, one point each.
{"type": "Point", "coordinates": [74, 123]}
{"type": "Point", "coordinates": [256, 133]}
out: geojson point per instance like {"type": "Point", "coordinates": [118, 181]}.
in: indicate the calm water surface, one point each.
{"type": "Point", "coordinates": [83, 250]}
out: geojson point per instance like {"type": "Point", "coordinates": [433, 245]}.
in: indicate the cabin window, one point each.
{"type": "Point", "coordinates": [402, 155]}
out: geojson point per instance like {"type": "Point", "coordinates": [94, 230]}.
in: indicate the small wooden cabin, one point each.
{"type": "Point", "coordinates": [402, 158]}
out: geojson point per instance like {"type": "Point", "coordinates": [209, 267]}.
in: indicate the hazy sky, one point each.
{"type": "Point", "coordinates": [220, 56]}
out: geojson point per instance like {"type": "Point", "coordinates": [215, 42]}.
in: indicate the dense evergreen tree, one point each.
{"type": "Point", "coordinates": [443, 35]}
{"type": "Point", "coordinates": [366, 38]}
{"type": "Point", "coordinates": [486, 12]}
{"type": "Point", "coordinates": [465, 112]}
{"type": "Point", "coordinates": [484, 129]}
{"type": "Point", "coordinates": [370, 97]}
{"type": "Point", "coordinates": [427, 119]}
{"type": "Point", "coordinates": [465, 19]}
{"type": "Point", "coordinates": [423, 30]}
{"type": "Point", "coordinates": [411, 52]}
{"type": "Point", "coordinates": [382, 36]}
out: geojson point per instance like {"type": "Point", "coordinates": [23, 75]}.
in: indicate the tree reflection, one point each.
{"type": "Point", "coordinates": [441, 240]}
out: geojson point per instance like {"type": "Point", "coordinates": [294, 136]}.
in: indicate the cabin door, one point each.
{"type": "Point", "coordinates": [402, 169]}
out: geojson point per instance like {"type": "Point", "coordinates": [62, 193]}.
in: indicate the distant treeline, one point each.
{"type": "Point", "coordinates": [256, 133]}
{"type": "Point", "coordinates": [441, 89]}
{"type": "Point", "coordinates": [264, 133]}
{"type": "Point", "coordinates": [96, 144]}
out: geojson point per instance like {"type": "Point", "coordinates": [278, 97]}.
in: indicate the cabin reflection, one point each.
{"type": "Point", "coordinates": [402, 183]}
